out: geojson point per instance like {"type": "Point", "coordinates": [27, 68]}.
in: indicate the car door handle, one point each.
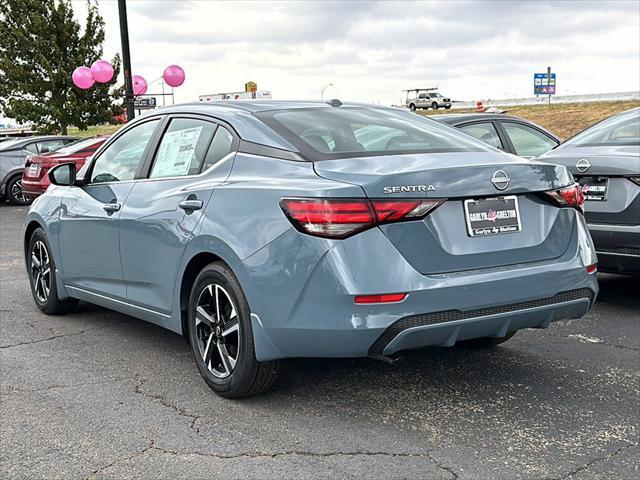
{"type": "Point", "coordinates": [190, 205]}
{"type": "Point", "coordinates": [111, 207]}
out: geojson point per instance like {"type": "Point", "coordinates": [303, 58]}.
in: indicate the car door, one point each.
{"type": "Point", "coordinates": [88, 228]}
{"type": "Point", "coordinates": [161, 212]}
{"type": "Point", "coordinates": [423, 100]}
{"type": "Point", "coordinates": [527, 141]}
{"type": "Point", "coordinates": [485, 131]}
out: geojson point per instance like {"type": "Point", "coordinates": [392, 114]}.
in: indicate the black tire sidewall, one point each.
{"type": "Point", "coordinates": [241, 379]}
{"type": "Point", "coordinates": [412, 107]}
{"type": "Point", "coordinates": [9, 194]}
{"type": "Point", "coordinates": [434, 106]}
{"type": "Point", "coordinates": [52, 299]}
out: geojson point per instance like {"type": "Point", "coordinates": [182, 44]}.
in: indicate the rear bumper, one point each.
{"type": "Point", "coordinates": [301, 292]}
{"type": "Point", "coordinates": [617, 246]}
{"type": "Point", "coordinates": [32, 187]}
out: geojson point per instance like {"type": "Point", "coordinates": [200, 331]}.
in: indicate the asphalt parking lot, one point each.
{"type": "Point", "coordinates": [97, 394]}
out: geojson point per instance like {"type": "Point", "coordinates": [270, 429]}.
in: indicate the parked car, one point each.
{"type": "Point", "coordinates": [605, 159]}
{"type": "Point", "coordinates": [35, 178]}
{"type": "Point", "coordinates": [12, 158]}
{"type": "Point", "coordinates": [426, 98]}
{"type": "Point", "coordinates": [265, 230]}
{"type": "Point", "coordinates": [511, 134]}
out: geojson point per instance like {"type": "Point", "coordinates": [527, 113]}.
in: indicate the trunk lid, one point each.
{"type": "Point", "coordinates": [451, 175]}
{"type": "Point", "coordinates": [603, 170]}
{"type": "Point", "coordinates": [441, 242]}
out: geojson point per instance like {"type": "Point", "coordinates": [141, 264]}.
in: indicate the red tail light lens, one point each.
{"type": "Point", "coordinates": [340, 218]}
{"type": "Point", "coordinates": [592, 268]}
{"type": "Point", "coordinates": [384, 298]}
{"type": "Point", "coordinates": [570, 196]}
{"type": "Point", "coordinates": [329, 218]}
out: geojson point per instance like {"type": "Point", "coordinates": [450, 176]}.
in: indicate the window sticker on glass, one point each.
{"type": "Point", "coordinates": [177, 152]}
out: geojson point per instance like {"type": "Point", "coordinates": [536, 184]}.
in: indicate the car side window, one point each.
{"type": "Point", "coordinates": [221, 146]}
{"type": "Point", "coordinates": [31, 148]}
{"type": "Point", "coordinates": [49, 145]}
{"type": "Point", "coordinates": [182, 148]}
{"type": "Point", "coordinates": [484, 131]}
{"type": "Point", "coordinates": [527, 141]}
{"type": "Point", "coordinates": [120, 160]}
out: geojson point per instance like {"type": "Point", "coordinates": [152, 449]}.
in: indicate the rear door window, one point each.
{"type": "Point", "coordinates": [527, 141]}
{"type": "Point", "coordinates": [183, 148]}
{"type": "Point", "coordinates": [221, 146]}
{"type": "Point", "coordinates": [484, 131]}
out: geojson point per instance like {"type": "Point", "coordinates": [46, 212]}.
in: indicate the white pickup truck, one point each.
{"type": "Point", "coordinates": [426, 98]}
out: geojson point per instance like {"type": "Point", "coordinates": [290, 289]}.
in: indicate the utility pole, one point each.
{"type": "Point", "coordinates": [126, 59]}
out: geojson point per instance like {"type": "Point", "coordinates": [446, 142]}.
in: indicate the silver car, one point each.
{"type": "Point", "coordinates": [605, 159]}
{"type": "Point", "coordinates": [13, 154]}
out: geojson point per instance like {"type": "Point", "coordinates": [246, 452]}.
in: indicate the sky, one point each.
{"type": "Point", "coordinates": [371, 51]}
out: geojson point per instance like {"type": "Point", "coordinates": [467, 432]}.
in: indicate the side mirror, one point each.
{"type": "Point", "coordinates": [64, 175]}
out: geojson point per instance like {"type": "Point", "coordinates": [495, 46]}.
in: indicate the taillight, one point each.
{"type": "Point", "coordinates": [340, 218]}
{"type": "Point", "coordinates": [570, 196]}
{"type": "Point", "coordinates": [635, 180]}
{"type": "Point", "coordinates": [593, 268]}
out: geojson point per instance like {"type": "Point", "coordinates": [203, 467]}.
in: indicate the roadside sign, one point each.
{"type": "Point", "coordinates": [541, 84]}
{"type": "Point", "coordinates": [144, 103]}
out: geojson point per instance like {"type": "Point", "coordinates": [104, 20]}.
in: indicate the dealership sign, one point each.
{"type": "Point", "coordinates": [542, 85]}
{"type": "Point", "coordinates": [146, 102]}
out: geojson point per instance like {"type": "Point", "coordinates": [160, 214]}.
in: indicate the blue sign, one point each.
{"type": "Point", "coordinates": [542, 86]}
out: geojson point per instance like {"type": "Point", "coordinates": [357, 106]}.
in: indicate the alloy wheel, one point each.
{"type": "Point", "coordinates": [217, 330]}
{"type": "Point", "coordinates": [41, 271]}
{"type": "Point", "coordinates": [16, 192]}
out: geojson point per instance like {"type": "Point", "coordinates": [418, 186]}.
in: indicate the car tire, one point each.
{"type": "Point", "coordinates": [412, 107]}
{"type": "Point", "coordinates": [448, 107]}
{"type": "Point", "coordinates": [41, 268]}
{"type": "Point", "coordinates": [485, 342]}
{"type": "Point", "coordinates": [434, 105]}
{"type": "Point", "coordinates": [14, 191]}
{"type": "Point", "coordinates": [221, 336]}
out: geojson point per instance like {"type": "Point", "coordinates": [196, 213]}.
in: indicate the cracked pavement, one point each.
{"type": "Point", "coordinates": [96, 394]}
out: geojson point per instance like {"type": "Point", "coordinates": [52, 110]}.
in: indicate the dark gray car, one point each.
{"type": "Point", "coordinates": [511, 134]}
{"type": "Point", "coordinates": [605, 159]}
{"type": "Point", "coordinates": [13, 154]}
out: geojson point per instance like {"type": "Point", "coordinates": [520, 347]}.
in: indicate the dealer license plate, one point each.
{"type": "Point", "coordinates": [492, 216]}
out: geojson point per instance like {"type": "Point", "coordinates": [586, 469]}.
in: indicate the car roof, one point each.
{"type": "Point", "coordinates": [456, 118]}
{"type": "Point", "coordinates": [231, 107]}
{"type": "Point", "coordinates": [25, 140]}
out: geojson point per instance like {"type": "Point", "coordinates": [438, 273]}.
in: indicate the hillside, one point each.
{"type": "Point", "coordinates": [566, 119]}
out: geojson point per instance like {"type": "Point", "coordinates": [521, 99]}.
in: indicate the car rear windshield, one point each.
{"type": "Point", "coordinates": [79, 145]}
{"type": "Point", "coordinates": [618, 130]}
{"type": "Point", "coordinates": [323, 133]}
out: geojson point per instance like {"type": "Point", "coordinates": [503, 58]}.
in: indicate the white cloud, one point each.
{"type": "Point", "coordinates": [372, 50]}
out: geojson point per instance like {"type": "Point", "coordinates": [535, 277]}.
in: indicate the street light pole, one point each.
{"type": "Point", "coordinates": [323, 89]}
{"type": "Point", "coordinates": [126, 59]}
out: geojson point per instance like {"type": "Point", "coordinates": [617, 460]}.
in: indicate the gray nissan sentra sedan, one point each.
{"type": "Point", "coordinates": [270, 230]}
{"type": "Point", "coordinates": [605, 159]}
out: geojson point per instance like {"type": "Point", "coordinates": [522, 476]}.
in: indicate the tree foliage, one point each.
{"type": "Point", "coordinates": [40, 45]}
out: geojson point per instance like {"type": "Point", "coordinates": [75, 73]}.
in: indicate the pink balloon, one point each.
{"type": "Point", "coordinates": [173, 75]}
{"type": "Point", "coordinates": [82, 78]}
{"type": "Point", "coordinates": [102, 71]}
{"type": "Point", "coordinates": [139, 85]}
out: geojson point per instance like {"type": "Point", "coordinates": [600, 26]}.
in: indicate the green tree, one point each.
{"type": "Point", "coordinates": [40, 45]}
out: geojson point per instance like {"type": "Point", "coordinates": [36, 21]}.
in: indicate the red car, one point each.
{"type": "Point", "coordinates": [35, 179]}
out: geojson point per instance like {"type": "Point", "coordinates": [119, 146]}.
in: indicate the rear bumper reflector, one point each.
{"type": "Point", "coordinates": [384, 298]}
